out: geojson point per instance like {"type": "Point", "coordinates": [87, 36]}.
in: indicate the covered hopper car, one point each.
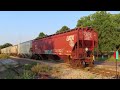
{"type": "Point", "coordinates": [13, 50]}
{"type": "Point", "coordinates": [74, 46]}
{"type": "Point", "coordinates": [24, 49]}
{"type": "Point", "coordinates": [3, 51]}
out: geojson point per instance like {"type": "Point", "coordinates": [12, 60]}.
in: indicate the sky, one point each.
{"type": "Point", "coordinates": [21, 26]}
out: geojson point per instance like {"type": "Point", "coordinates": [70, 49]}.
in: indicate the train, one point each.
{"type": "Point", "coordinates": [74, 46]}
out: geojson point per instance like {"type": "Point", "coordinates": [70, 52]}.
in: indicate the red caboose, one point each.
{"type": "Point", "coordinates": [73, 45]}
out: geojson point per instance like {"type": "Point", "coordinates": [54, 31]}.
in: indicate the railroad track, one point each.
{"type": "Point", "coordinates": [104, 72]}
{"type": "Point", "coordinates": [98, 71]}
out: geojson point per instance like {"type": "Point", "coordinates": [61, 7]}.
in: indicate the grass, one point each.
{"type": "Point", "coordinates": [91, 77]}
{"type": "Point", "coordinates": [29, 66]}
{"type": "Point", "coordinates": [108, 59]}
{"type": "Point", "coordinates": [10, 74]}
{"type": "Point", "coordinates": [24, 73]}
{"type": "Point", "coordinates": [4, 56]}
{"type": "Point", "coordinates": [113, 59]}
{"type": "Point", "coordinates": [27, 74]}
{"type": "Point", "coordinates": [42, 69]}
{"type": "Point", "coordinates": [30, 71]}
{"type": "Point", "coordinates": [101, 59]}
{"type": "Point", "coordinates": [39, 68]}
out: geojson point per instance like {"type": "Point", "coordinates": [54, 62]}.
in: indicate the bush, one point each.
{"type": "Point", "coordinates": [41, 69]}
{"type": "Point", "coordinates": [27, 74]}
{"type": "Point", "coordinates": [9, 74]}
{"type": "Point", "coordinates": [4, 56]}
{"type": "Point", "coordinates": [112, 59]}
{"type": "Point", "coordinates": [29, 66]}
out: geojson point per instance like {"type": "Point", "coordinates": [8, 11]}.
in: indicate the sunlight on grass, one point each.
{"type": "Point", "coordinates": [4, 56]}
{"type": "Point", "coordinates": [107, 59]}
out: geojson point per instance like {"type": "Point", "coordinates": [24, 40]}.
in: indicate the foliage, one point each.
{"type": "Point", "coordinates": [63, 29]}
{"type": "Point", "coordinates": [41, 35]}
{"type": "Point", "coordinates": [4, 56]}
{"type": "Point", "coordinates": [113, 59]}
{"type": "Point", "coordinates": [5, 45]}
{"type": "Point", "coordinates": [27, 74]}
{"type": "Point", "coordinates": [39, 68]}
{"type": "Point", "coordinates": [10, 75]}
{"type": "Point", "coordinates": [29, 66]}
{"type": "Point", "coordinates": [108, 27]}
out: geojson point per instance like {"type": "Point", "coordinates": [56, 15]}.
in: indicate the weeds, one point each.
{"type": "Point", "coordinates": [113, 59]}
{"type": "Point", "coordinates": [91, 77]}
{"type": "Point", "coordinates": [107, 59]}
{"type": "Point", "coordinates": [27, 74]}
{"type": "Point", "coordinates": [29, 66]}
{"type": "Point", "coordinates": [4, 56]}
{"type": "Point", "coordinates": [30, 71]}
{"type": "Point", "coordinates": [10, 75]}
{"type": "Point", "coordinates": [55, 70]}
{"type": "Point", "coordinates": [41, 69]}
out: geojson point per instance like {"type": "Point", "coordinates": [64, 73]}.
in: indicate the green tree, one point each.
{"type": "Point", "coordinates": [41, 35]}
{"type": "Point", "coordinates": [107, 26]}
{"type": "Point", "coordinates": [5, 45]}
{"type": "Point", "coordinates": [63, 29]}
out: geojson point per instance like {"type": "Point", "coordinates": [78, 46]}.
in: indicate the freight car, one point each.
{"type": "Point", "coordinates": [3, 51]}
{"type": "Point", "coordinates": [7, 50]}
{"type": "Point", "coordinates": [24, 49]}
{"type": "Point", "coordinates": [71, 46]}
{"type": "Point", "coordinates": [13, 50]}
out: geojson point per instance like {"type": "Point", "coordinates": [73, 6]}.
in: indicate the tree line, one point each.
{"type": "Point", "coordinates": [108, 27]}
{"type": "Point", "coordinates": [5, 45]}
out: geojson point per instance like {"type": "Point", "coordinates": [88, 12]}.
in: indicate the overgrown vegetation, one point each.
{"type": "Point", "coordinates": [4, 56]}
{"type": "Point", "coordinates": [10, 75]}
{"type": "Point", "coordinates": [39, 68]}
{"type": "Point", "coordinates": [29, 66]}
{"type": "Point", "coordinates": [30, 71]}
{"type": "Point", "coordinates": [111, 58]}
{"type": "Point", "coordinates": [27, 74]}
